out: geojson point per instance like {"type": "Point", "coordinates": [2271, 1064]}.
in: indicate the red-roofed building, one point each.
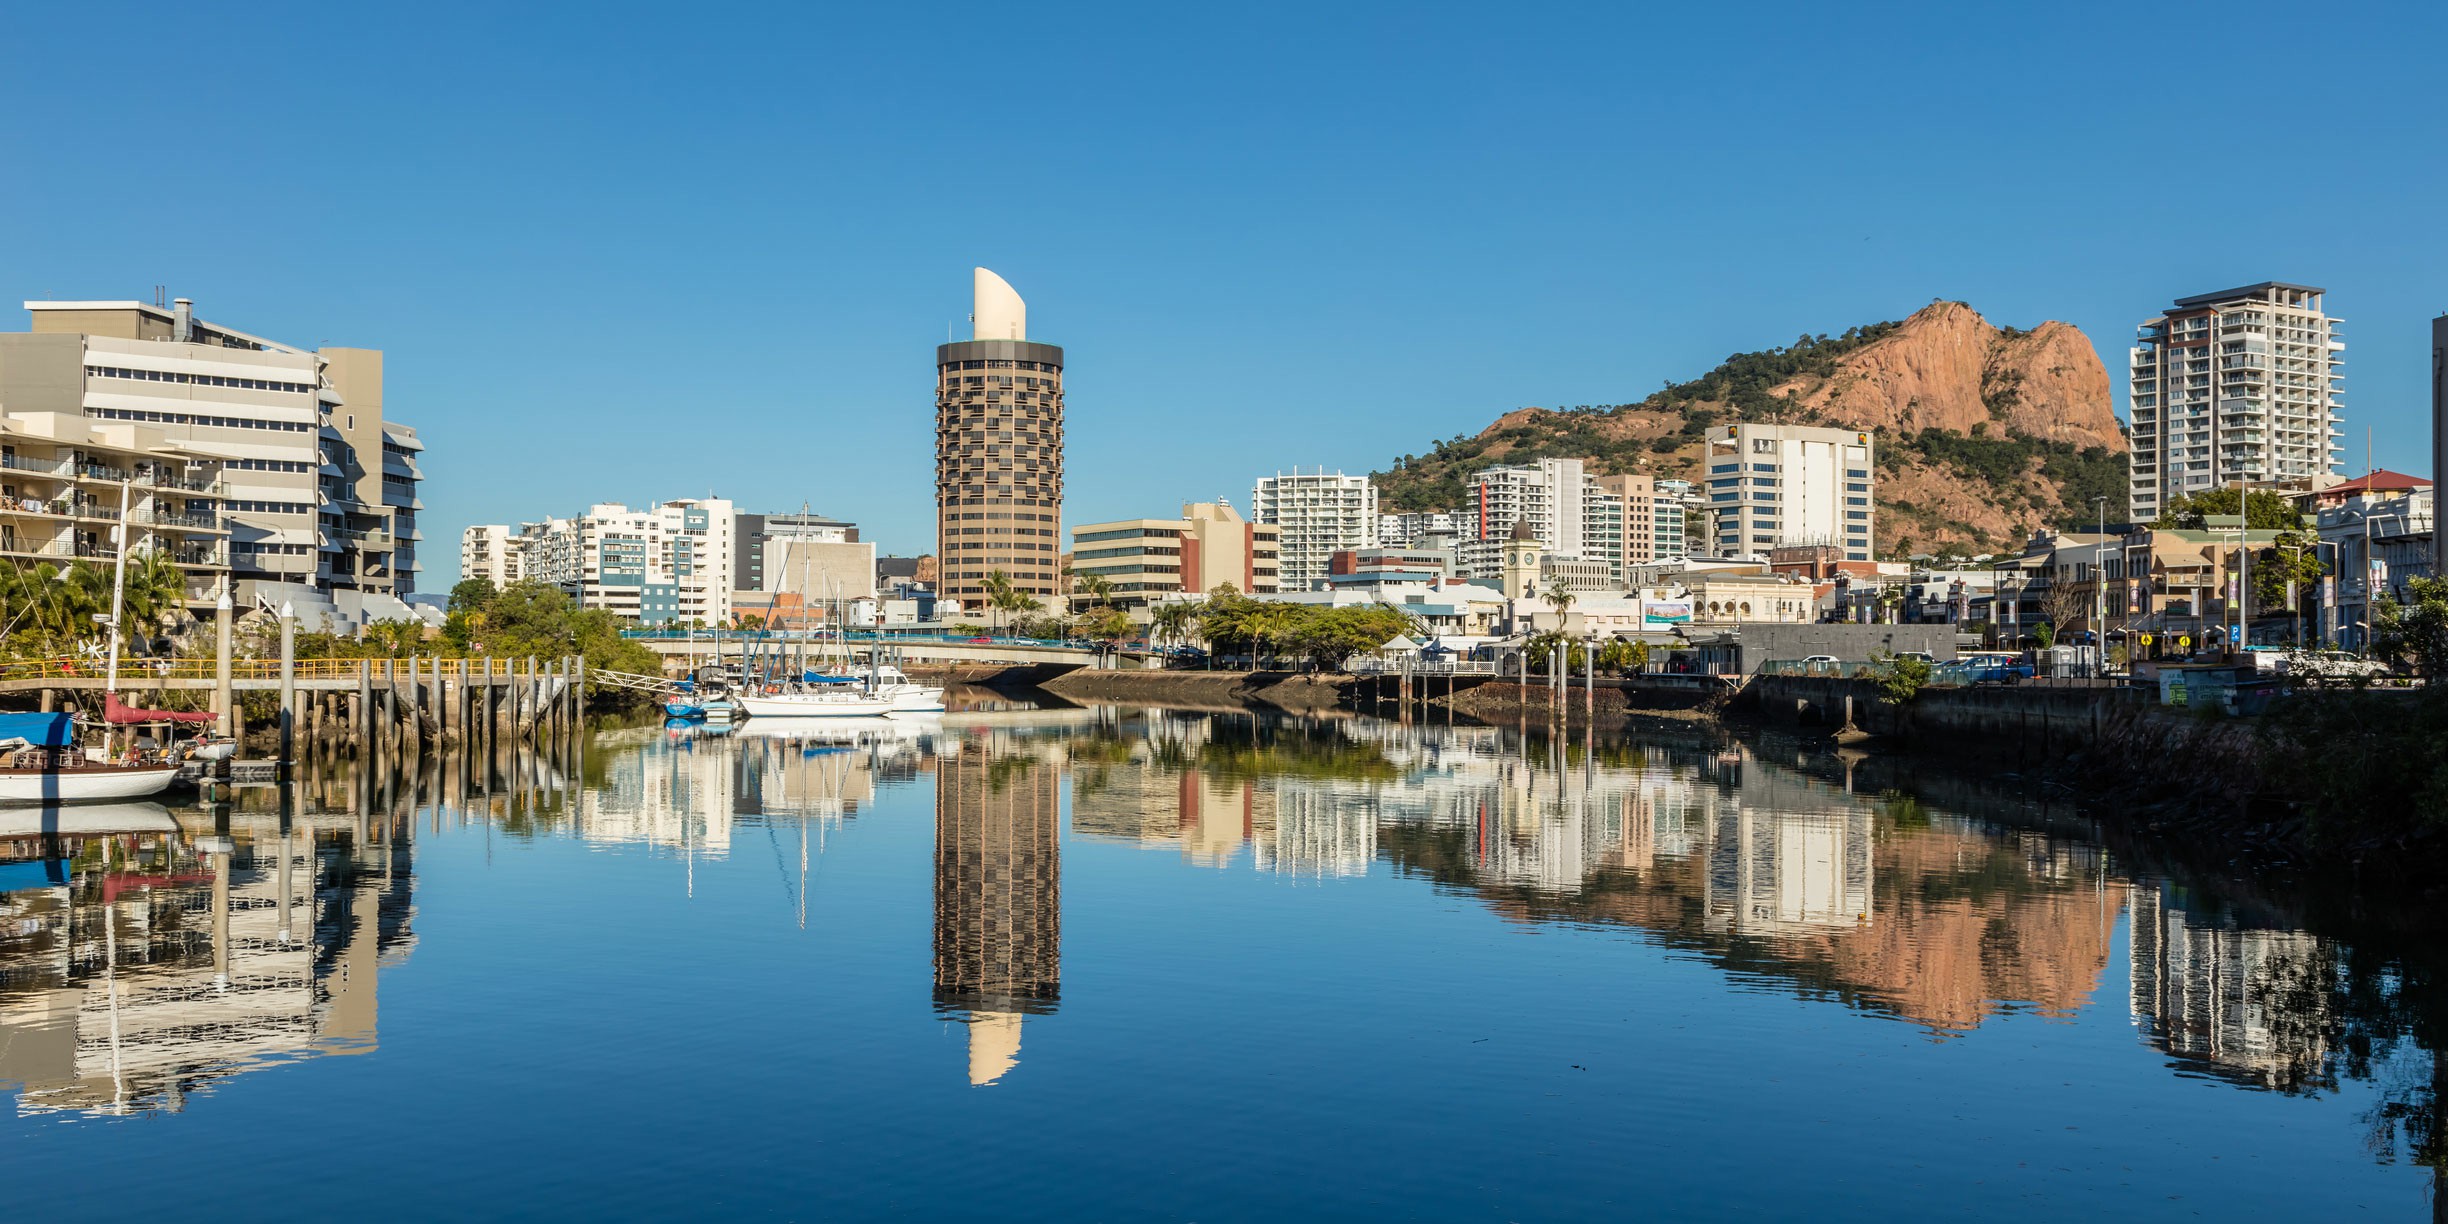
{"type": "Point", "coordinates": [2380, 481]}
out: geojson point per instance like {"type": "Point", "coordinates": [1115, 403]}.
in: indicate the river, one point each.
{"type": "Point", "coordinates": [1101, 963]}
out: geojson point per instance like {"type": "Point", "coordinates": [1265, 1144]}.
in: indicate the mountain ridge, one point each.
{"type": "Point", "coordinates": [1985, 432]}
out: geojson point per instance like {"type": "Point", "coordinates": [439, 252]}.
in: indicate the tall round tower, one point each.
{"type": "Point", "coordinates": [998, 454]}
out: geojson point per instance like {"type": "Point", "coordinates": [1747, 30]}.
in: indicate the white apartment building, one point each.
{"type": "Point", "coordinates": [491, 551]}
{"type": "Point", "coordinates": [1773, 486]}
{"type": "Point", "coordinates": [1318, 513]}
{"type": "Point", "coordinates": [1570, 514]}
{"type": "Point", "coordinates": [320, 489]}
{"type": "Point", "coordinates": [2239, 385]}
{"type": "Point", "coordinates": [667, 564]}
{"type": "Point", "coordinates": [1414, 528]}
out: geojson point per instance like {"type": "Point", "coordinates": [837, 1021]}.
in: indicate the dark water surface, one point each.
{"type": "Point", "coordinates": [1137, 964]}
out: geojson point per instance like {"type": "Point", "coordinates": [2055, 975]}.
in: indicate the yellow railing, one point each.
{"type": "Point", "coordinates": [137, 672]}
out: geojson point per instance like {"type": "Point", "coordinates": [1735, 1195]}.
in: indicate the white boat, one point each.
{"type": "Point", "coordinates": [817, 701]}
{"type": "Point", "coordinates": [69, 778]}
{"type": "Point", "coordinates": [908, 696]}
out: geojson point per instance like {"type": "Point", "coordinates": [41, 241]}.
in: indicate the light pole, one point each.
{"type": "Point", "coordinates": [2099, 593]}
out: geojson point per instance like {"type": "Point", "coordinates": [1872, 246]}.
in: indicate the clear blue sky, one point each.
{"type": "Point", "coordinates": [629, 253]}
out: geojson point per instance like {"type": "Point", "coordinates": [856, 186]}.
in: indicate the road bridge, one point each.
{"type": "Point", "coordinates": [677, 651]}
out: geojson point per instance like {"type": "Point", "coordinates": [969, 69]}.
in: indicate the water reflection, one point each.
{"type": "Point", "coordinates": [165, 953]}
{"type": "Point", "coordinates": [146, 954]}
{"type": "Point", "coordinates": [998, 887]}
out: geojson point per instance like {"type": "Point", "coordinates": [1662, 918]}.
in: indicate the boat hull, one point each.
{"type": "Point", "coordinates": [797, 705]}
{"type": "Point", "coordinates": [20, 786]}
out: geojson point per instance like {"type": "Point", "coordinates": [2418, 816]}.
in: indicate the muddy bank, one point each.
{"type": "Point", "coordinates": [1279, 690]}
{"type": "Point", "coordinates": [1505, 701]}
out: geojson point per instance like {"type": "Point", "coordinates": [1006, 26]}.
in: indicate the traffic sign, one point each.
{"type": "Point", "coordinates": [2146, 639]}
{"type": "Point", "coordinates": [2184, 642]}
{"type": "Point", "coordinates": [2235, 634]}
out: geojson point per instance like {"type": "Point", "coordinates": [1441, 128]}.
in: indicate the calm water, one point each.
{"type": "Point", "coordinates": [1101, 964]}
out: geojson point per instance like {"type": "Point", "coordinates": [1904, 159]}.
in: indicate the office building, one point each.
{"type": "Point", "coordinates": [667, 564]}
{"type": "Point", "coordinates": [2239, 385]}
{"type": "Point", "coordinates": [1652, 514]}
{"type": "Point", "coordinates": [1569, 514]}
{"type": "Point", "coordinates": [998, 453]}
{"type": "Point", "coordinates": [1772, 486]}
{"type": "Point", "coordinates": [319, 488]}
{"type": "Point", "coordinates": [1143, 560]}
{"type": "Point", "coordinates": [750, 532]}
{"type": "Point", "coordinates": [1318, 513]}
{"type": "Point", "coordinates": [2439, 428]}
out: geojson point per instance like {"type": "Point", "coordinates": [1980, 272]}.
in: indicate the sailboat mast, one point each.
{"type": "Point", "coordinates": [110, 683]}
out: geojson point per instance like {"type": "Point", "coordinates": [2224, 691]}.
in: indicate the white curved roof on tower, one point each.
{"type": "Point", "coordinates": [997, 313]}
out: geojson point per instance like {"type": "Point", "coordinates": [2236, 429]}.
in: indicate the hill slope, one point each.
{"type": "Point", "coordinates": [1985, 433]}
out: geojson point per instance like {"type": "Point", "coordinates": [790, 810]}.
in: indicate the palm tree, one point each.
{"type": "Point", "coordinates": [1559, 596]}
{"type": "Point", "coordinates": [1097, 587]}
{"type": "Point", "coordinates": [998, 590]}
{"type": "Point", "coordinates": [1011, 599]}
{"type": "Point", "coordinates": [1173, 621]}
{"type": "Point", "coordinates": [1265, 622]}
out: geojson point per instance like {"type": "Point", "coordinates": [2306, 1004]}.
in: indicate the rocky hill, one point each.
{"type": "Point", "coordinates": [1985, 432]}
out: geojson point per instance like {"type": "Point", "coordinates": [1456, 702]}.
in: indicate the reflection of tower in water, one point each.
{"type": "Point", "coordinates": [998, 896]}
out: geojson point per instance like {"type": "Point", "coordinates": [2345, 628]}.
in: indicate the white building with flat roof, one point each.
{"type": "Point", "coordinates": [1772, 486]}
{"type": "Point", "coordinates": [2239, 385]}
{"type": "Point", "coordinates": [666, 564]}
{"type": "Point", "coordinates": [1318, 513]}
{"type": "Point", "coordinates": [320, 488]}
{"type": "Point", "coordinates": [1569, 513]}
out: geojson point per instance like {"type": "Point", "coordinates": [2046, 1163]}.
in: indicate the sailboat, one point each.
{"type": "Point", "coordinates": [40, 759]}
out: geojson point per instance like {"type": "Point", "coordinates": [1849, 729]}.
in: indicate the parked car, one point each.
{"type": "Point", "coordinates": [1821, 659]}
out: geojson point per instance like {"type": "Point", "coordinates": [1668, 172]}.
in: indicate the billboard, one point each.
{"type": "Point", "coordinates": [1665, 612]}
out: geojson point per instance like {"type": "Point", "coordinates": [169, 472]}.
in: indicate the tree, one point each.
{"type": "Point", "coordinates": [2291, 561]}
{"type": "Point", "coordinates": [2060, 604]}
{"type": "Point", "coordinates": [1622, 657]}
{"type": "Point", "coordinates": [1109, 625]}
{"type": "Point", "coordinates": [1011, 600]}
{"type": "Point", "coordinates": [998, 589]}
{"type": "Point", "coordinates": [2264, 510]}
{"type": "Point", "coordinates": [1899, 677]}
{"type": "Point", "coordinates": [1267, 622]}
{"type": "Point", "coordinates": [2414, 631]}
{"type": "Point", "coordinates": [1097, 587]}
{"type": "Point", "coordinates": [1173, 621]}
{"type": "Point", "coordinates": [1329, 637]}
{"type": "Point", "coordinates": [470, 594]}
{"type": "Point", "coordinates": [1560, 597]}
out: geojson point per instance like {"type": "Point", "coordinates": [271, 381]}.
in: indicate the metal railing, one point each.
{"type": "Point", "coordinates": [1373, 666]}
{"type": "Point", "coordinates": [142, 671]}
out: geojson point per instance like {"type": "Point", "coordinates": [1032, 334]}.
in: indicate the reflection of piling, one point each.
{"type": "Point", "coordinates": [288, 687]}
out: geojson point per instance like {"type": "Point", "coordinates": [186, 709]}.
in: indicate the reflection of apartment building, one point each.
{"type": "Point", "coordinates": [320, 489]}
{"type": "Point", "coordinates": [2215, 995]}
{"type": "Point", "coordinates": [60, 486]}
{"type": "Point", "coordinates": [1144, 560]}
{"type": "Point", "coordinates": [1318, 513]}
{"type": "Point", "coordinates": [222, 962]}
{"type": "Point", "coordinates": [998, 892]}
{"type": "Point", "coordinates": [1773, 871]}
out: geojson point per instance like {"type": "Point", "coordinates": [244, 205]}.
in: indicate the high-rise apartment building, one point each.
{"type": "Point", "coordinates": [1318, 514]}
{"type": "Point", "coordinates": [1653, 517]}
{"type": "Point", "coordinates": [1776, 486]}
{"type": "Point", "coordinates": [2439, 430]}
{"type": "Point", "coordinates": [998, 452]}
{"type": "Point", "coordinates": [321, 487]}
{"type": "Point", "coordinates": [491, 551]}
{"type": "Point", "coordinates": [1143, 560]}
{"type": "Point", "coordinates": [667, 564]}
{"type": "Point", "coordinates": [2239, 385]}
{"type": "Point", "coordinates": [1570, 515]}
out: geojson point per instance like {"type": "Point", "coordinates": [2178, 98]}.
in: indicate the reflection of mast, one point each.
{"type": "Point", "coordinates": [998, 898]}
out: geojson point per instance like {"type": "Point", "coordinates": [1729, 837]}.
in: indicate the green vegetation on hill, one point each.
{"type": "Point", "coordinates": [1741, 388]}
{"type": "Point", "coordinates": [1742, 382]}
